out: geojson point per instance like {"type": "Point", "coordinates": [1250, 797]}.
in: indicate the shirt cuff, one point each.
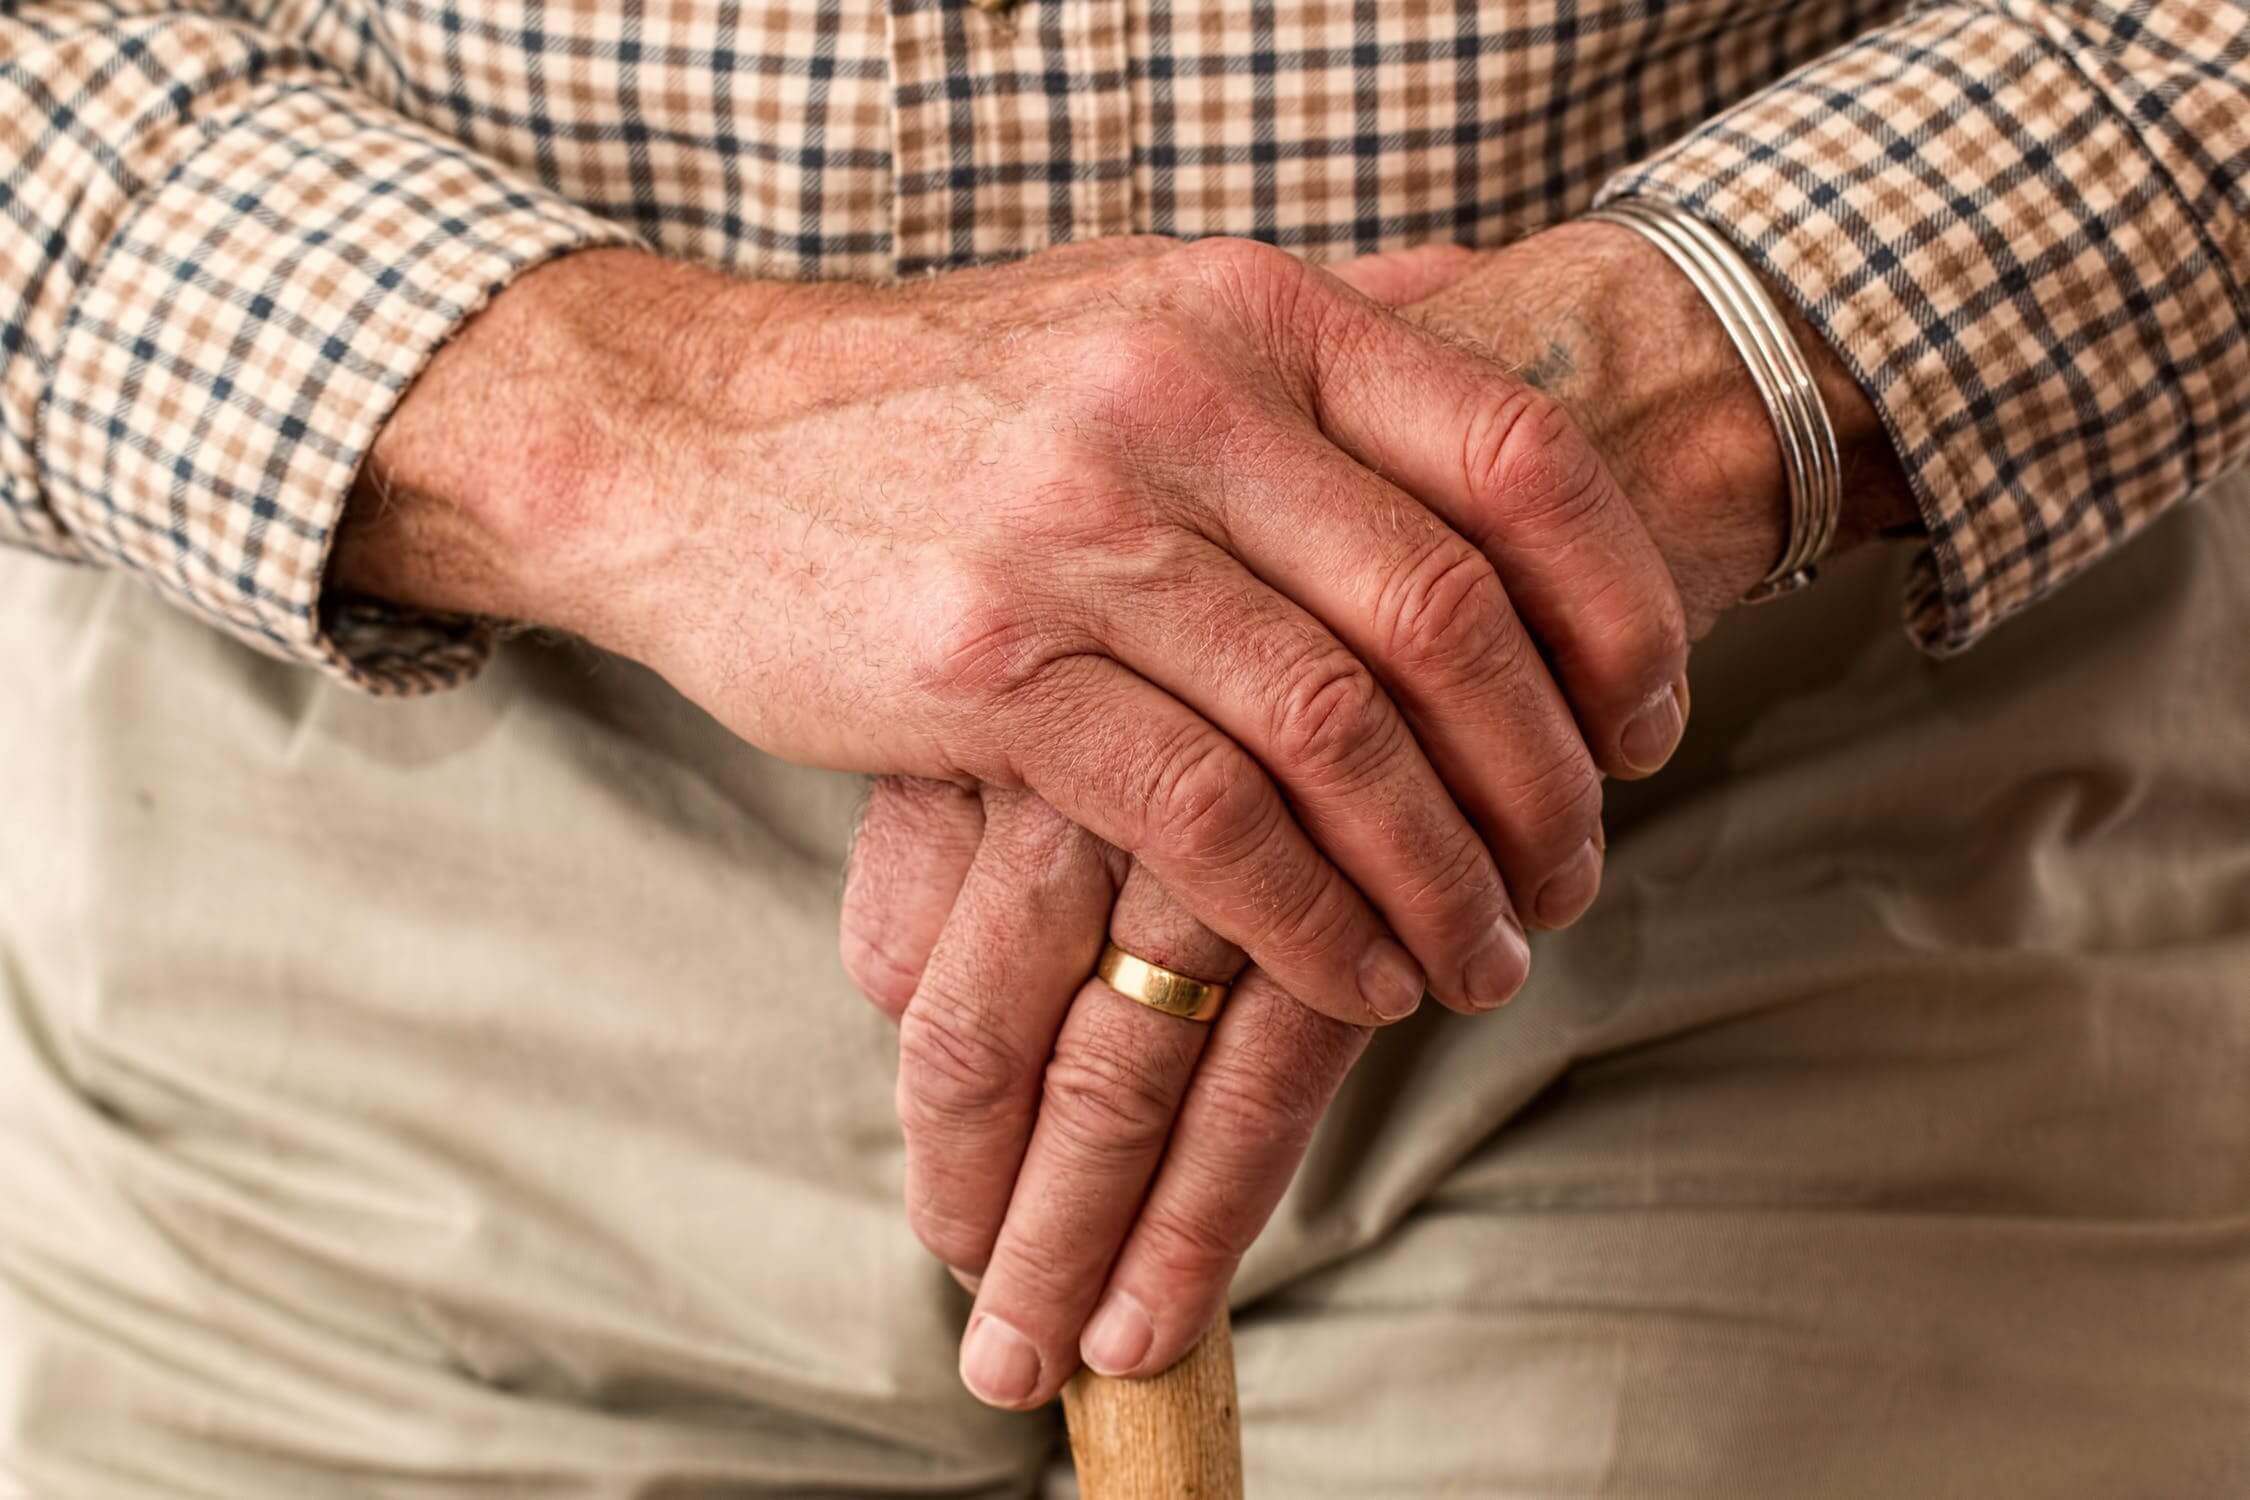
{"type": "Point", "coordinates": [1970, 220]}
{"type": "Point", "coordinates": [240, 338]}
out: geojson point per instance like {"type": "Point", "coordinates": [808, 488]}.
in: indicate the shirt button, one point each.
{"type": "Point", "coordinates": [994, 7]}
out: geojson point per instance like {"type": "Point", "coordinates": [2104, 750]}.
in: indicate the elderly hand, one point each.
{"type": "Point", "coordinates": [1103, 1166]}
{"type": "Point", "coordinates": [1030, 1159]}
{"type": "Point", "coordinates": [1234, 568]}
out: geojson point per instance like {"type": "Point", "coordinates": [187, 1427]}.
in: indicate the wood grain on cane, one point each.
{"type": "Point", "coordinates": [1174, 1436]}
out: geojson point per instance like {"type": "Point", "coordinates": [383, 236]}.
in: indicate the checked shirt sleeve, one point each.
{"type": "Point", "coordinates": [219, 269]}
{"type": "Point", "coordinates": [2025, 227]}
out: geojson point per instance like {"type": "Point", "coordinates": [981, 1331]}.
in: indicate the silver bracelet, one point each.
{"type": "Point", "coordinates": [1809, 458]}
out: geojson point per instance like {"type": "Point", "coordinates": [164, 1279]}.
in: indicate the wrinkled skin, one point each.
{"type": "Point", "coordinates": [1185, 577]}
{"type": "Point", "coordinates": [1231, 566]}
{"type": "Point", "coordinates": [1099, 1169]}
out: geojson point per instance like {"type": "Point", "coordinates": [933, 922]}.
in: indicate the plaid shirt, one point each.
{"type": "Point", "coordinates": [233, 230]}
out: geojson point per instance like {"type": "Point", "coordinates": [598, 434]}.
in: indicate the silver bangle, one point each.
{"type": "Point", "coordinates": [1753, 322]}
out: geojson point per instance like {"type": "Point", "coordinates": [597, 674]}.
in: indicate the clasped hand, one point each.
{"type": "Point", "coordinates": [1191, 579]}
{"type": "Point", "coordinates": [1416, 600]}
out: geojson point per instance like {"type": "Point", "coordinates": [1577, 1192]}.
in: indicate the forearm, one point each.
{"type": "Point", "coordinates": [532, 468]}
{"type": "Point", "coordinates": [541, 464]}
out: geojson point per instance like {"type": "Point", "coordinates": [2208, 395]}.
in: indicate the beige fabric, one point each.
{"type": "Point", "coordinates": [461, 1097]}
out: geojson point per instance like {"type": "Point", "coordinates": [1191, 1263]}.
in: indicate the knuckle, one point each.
{"type": "Point", "coordinates": [1153, 404]}
{"type": "Point", "coordinates": [1655, 636]}
{"type": "Point", "coordinates": [1043, 1267]}
{"type": "Point", "coordinates": [1193, 1246]}
{"type": "Point", "coordinates": [1526, 459]}
{"type": "Point", "coordinates": [1331, 719]}
{"type": "Point", "coordinates": [1559, 802]}
{"type": "Point", "coordinates": [1210, 803]}
{"type": "Point", "coordinates": [881, 975]}
{"type": "Point", "coordinates": [1135, 375]}
{"type": "Point", "coordinates": [953, 1075]}
{"type": "Point", "coordinates": [1261, 1101]}
{"type": "Point", "coordinates": [1313, 1051]}
{"type": "Point", "coordinates": [948, 1233]}
{"type": "Point", "coordinates": [1269, 292]}
{"type": "Point", "coordinates": [1446, 611]}
{"type": "Point", "coordinates": [989, 645]}
{"type": "Point", "coordinates": [1667, 639]}
{"type": "Point", "coordinates": [1040, 855]}
{"type": "Point", "coordinates": [1164, 564]}
{"type": "Point", "coordinates": [1512, 660]}
{"type": "Point", "coordinates": [1459, 891]}
{"type": "Point", "coordinates": [1106, 1107]}
{"type": "Point", "coordinates": [1313, 924]}
{"type": "Point", "coordinates": [1231, 263]}
{"type": "Point", "coordinates": [1084, 490]}
{"type": "Point", "coordinates": [1640, 647]}
{"type": "Point", "coordinates": [1263, 1110]}
{"type": "Point", "coordinates": [906, 821]}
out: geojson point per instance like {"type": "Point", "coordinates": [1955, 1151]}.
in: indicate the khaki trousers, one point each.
{"type": "Point", "coordinates": [462, 1098]}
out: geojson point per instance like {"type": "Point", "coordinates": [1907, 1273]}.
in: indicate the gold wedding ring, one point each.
{"type": "Point", "coordinates": [1159, 988]}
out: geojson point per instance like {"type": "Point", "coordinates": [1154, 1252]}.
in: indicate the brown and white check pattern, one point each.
{"type": "Point", "coordinates": [231, 231]}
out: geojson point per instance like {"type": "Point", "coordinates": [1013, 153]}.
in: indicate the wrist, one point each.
{"type": "Point", "coordinates": [539, 469]}
{"type": "Point", "coordinates": [1602, 319]}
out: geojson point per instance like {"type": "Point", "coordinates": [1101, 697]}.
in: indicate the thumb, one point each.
{"type": "Point", "coordinates": [1398, 277]}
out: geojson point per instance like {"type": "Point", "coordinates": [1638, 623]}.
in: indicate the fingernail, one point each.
{"type": "Point", "coordinates": [1570, 890]}
{"type": "Point", "coordinates": [1654, 733]}
{"type": "Point", "coordinates": [1389, 981]}
{"type": "Point", "coordinates": [968, 1282]}
{"type": "Point", "coordinates": [1117, 1340]}
{"type": "Point", "coordinates": [998, 1364]}
{"type": "Point", "coordinates": [1499, 968]}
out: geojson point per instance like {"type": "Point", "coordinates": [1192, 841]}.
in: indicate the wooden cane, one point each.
{"type": "Point", "coordinates": [1174, 1436]}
